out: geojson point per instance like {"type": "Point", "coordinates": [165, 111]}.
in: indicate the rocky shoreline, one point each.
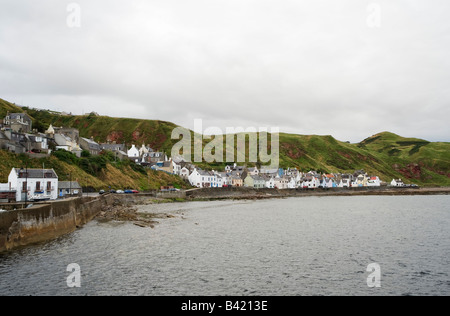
{"type": "Point", "coordinates": [129, 213]}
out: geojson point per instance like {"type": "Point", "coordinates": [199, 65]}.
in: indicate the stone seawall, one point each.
{"type": "Point", "coordinates": [47, 221]}
{"type": "Point", "coordinates": [250, 193]}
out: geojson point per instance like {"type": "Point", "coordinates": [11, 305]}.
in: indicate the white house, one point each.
{"type": "Point", "coordinates": [176, 168]}
{"type": "Point", "coordinates": [226, 179]}
{"type": "Point", "coordinates": [397, 183]}
{"type": "Point", "coordinates": [144, 150]}
{"type": "Point", "coordinates": [354, 183]}
{"type": "Point", "coordinates": [184, 173]}
{"type": "Point", "coordinates": [310, 182]}
{"type": "Point", "coordinates": [298, 179]}
{"type": "Point", "coordinates": [374, 182]}
{"type": "Point", "coordinates": [345, 183]}
{"type": "Point", "coordinates": [201, 178]}
{"type": "Point", "coordinates": [133, 152]}
{"type": "Point", "coordinates": [292, 184]}
{"type": "Point", "coordinates": [281, 182]}
{"type": "Point", "coordinates": [217, 180]}
{"type": "Point", "coordinates": [327, 183]}
{"type": "Point", "coordinates": [33, 184]}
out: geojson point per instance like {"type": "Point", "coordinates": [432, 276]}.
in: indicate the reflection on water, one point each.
{"type": "Point", "coordinates": [297, 246]}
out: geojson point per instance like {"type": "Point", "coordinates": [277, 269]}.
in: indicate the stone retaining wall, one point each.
{"type": "Point", "coordinates": [49, 220]}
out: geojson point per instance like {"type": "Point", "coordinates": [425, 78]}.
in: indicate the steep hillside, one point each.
{"type": "Point", "coordinates": [385, 154]}
{"type": "Point", "coordinates": [111, 174]}
{"type": "Point", "coordinates": [8, 107]}
{"type": "Point", "coordinates": [103, 128]}
{"type": "Point", "coordinates": [330, 155]}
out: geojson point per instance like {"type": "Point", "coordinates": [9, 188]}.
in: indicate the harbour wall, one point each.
{"type": "Point", "coordinates": [251, 193]}
{"type": "Point", "coordinates": [47, 221]}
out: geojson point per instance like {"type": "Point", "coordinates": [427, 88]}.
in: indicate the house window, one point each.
{"type": "Point", "coordinates": [49, 186]}
{"type": "Point", "coordinates": [24, 186]}
{"type": "Point", "coordinates": [38, 186]}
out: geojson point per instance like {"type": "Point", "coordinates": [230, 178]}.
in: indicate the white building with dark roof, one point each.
{"type": "Point", "coordinates": [133, 153]}
{"type": "Point", "coordinates": [33, 184]}
{"type": "Point", "coordinates": [201, 179]}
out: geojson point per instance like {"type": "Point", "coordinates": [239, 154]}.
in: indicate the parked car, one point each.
{"type": "Point", "coordinates": [120, 192]}
{"type": "Point", "coordinates": [101, 192]}
{"type": "Point", "coordinates": [112, 191]}
{"type": "Point", "coordinates": [135, 191]}
{"type": "Point", "coordinates": [128, 191]}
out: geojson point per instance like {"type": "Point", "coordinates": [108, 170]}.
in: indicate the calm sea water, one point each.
{"type": "Point", "coordinates": [297, 246]}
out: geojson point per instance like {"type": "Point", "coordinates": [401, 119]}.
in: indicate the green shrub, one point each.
{"type": "Point", "coordinates": [85, 154]}
{"type": "Point", "coordinates": [66, 156]}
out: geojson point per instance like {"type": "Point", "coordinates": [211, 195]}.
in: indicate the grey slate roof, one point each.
{"type": "Point", "coordinates": [203, 172]}
{"type": "Point", "coordinates": [112, 147]}
{"type": "Point", "coordinates": [92, 144]}
{"type": "Point", "coordinates": [258, 178]}
{"type": "Point", "coordinates": [68, 185]}
{"type": "Point", "coordinates": [37, 173]}
{"type": "Point", "coordinates": [15, 116]}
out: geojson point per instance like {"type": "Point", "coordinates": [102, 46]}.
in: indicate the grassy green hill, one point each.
{"type": "Point", "coordinates": [385, 154]}
{"type": "Point", "coordinates": [103, 128]}
{"type": "Point", "coordinates": [416, 159]}
{"type": "Point", "coordinates": [8, 107]}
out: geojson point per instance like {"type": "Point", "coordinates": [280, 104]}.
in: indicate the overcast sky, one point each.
{"type": "Point", "coordinates": [347, 68]}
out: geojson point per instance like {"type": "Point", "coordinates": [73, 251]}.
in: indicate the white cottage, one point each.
{"type": "Point", "coordinates": [201, 178]}
{"type": "Point", "coordinates": [133, 152]}
{"type": "Point", "coordinates": [397, 183]}
{"type": "Point", "coordinates": [292, 184]}
{"type": "Point", "coordinates": [281, 182]}
{"type": "Point", "coordinates": [184, 173]}
{"type": "Point", "coordinates": [345, 183]}
{"type": "Point", "coordinates": [374, 182]}
{"type": "Point", "coordinates": [33, 184]}
{"type": "Point", "coordinates": [310, 182]}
